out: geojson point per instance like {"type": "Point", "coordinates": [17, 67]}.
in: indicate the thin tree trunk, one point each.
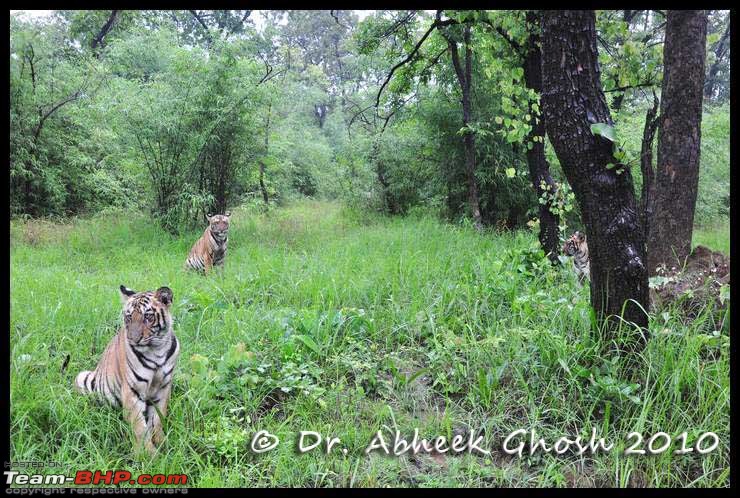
{"type": "Point", "coordinates": [464, 77]}
{"type": "Point", "coordinates": [263, 189]}
{"type": "Point", "coordinates": [99, 38]}
{"type": "Point", "coordinates": [646, 164]}
{"type": "Point", "coordinates": [389, 205]}
{"type": "Point", "coordinates": [679, 139]}
{"type": "Point", "coordinates": [539, 169]}
{"type": "Point", "coordinates": [573, 100]}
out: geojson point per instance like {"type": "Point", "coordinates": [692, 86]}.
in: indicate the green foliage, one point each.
{"type": "Point", "coordinates": [175, 127]}
{"type": "Point", "coordinates": [713, 198]}
{"type": "Point", "coordinates": [604, 130]}
{"type": "Point", "coordinates": [179, 120]}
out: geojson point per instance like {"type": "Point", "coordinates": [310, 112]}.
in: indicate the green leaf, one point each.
{"type": "Point", "coordinates": [416, 375]}
{"type": "Point", "coordinates": [604, 130]}
{"type": "Point", "coordinates": [309, 342]}
{"type": "Point", "coordinates": [724, 293]}
{"type": "Point", "coordinates": [510, 172]}
{"type": "Point", "coordinates": [564, 365]}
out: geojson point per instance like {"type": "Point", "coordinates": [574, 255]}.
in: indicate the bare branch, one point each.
{"type": "Point", "coordinates": [53, 109]}
{"type": "Point", "coordinates": [202, 23]}
{"type": "Point", "coordinates": [98, 40]}
{"type": "Point", "coordinates": [336, 18]}
{"type": "Point", "coordinates": [514, 44]}
{"type": "Point", "coordinates": [436, 24]}
{"type": "Point", "coordinates": [433, 61]}
{"type": "Point", "coordinates": [627, 87]}
{"type": "Point", "coordinates": [400, 22]}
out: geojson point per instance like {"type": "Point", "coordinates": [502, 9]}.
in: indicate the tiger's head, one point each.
{"type": "Point", "coordinates": [219, 224]}
{"type": "Point", "coordinates": [146, 315]}
{"type": "Point", "coordinates": [575, 243]}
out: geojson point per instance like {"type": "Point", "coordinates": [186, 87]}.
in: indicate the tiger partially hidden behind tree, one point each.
{"type": "Point", "coordinates": [210, 249]}
{"type": "Point", "coordinates": [137, 366]}
{"type": "Point", "coordinates": [577, 247]}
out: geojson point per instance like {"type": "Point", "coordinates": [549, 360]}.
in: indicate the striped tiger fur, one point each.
{"type": "Point", "coordinates": [577, 247]}
{"type": "Point", "coordinates": [136, 369]}
{"type": "Point", "coordinates": [210, 250]}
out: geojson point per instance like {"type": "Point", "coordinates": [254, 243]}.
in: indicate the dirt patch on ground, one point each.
{"type": "Point", "coordinates": [695, 285]}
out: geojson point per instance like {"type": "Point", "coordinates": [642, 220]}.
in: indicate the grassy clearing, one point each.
{"type": "Point", "coordinates": [330, 322]}
{"type": "Point", "coordinates": [715, 237]}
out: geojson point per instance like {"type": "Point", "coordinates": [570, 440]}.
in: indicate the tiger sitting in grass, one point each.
{"type": "Point", "coordinates": [577, 247]}
{"type": "Point", "coordinates": [210, 250]}
{"type": "Point", "coordinates": [137, 366]}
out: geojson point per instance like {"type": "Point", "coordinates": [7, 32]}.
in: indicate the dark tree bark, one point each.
{"type": "Point", "coordinates": [573, 100]}
{"type": "Point", "coordinates": [107, 27]}
{"type": "Point", "coordinates": [539, 169]}
{"type": "Point", "coordinates": [464, 77]}
{"type": "Point", "coordinates": [389, 202]}
{"type": "Point", "coordinates": [263, 189]}
{"type": "Point", "coordinates": [679, 139]}
{"type": "Point", "coordinates": [321, 110]}
{"type": "Point", "coordinates": [206, 30]}
{"type": "Point", "coordinates": [265, 197]}
{"type": "Point", "coordinates": [646, 164]}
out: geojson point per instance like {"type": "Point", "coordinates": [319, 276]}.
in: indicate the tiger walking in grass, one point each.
{"type": "Point", "coordinates": [136, 369]}
{"type": "Point", "coordinates": [577, 247]}
{"type": "Point", "coordinates": [210, 250]}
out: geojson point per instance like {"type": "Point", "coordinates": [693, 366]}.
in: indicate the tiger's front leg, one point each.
{"type": "Point", "coordinates": [207, 265]}
{"type": "Point", "coordinates": [159, 410]}
{"type": "Point", "coordinates": [136, 412]}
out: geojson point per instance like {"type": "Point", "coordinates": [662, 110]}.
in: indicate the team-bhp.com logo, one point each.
{"type": "Point", "coordinates": [88, 477]}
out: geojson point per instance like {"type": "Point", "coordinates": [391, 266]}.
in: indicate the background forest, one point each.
{"type": "Point", "coordinates": [178, 113]}
{"type": "Point", "coordinates": [394, 256]}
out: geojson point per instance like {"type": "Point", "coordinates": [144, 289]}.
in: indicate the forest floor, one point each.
{"type": "Point", "coordinates": [346, 325]}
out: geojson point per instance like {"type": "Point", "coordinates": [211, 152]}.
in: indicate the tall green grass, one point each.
{"type": "Point", "coordinates": [346, 324]}
{"type": "Point", "coordinates": [715, 236]}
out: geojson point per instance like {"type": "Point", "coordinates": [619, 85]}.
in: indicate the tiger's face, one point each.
{"type": "Point", "coordinates": [574, 243]}
{"type": "Point", "coordinates": [219, 224]}
{"type": "Point", "coordinates": [146, 315]}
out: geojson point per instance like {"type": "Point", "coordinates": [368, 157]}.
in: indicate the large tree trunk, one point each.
{"type": "Point", "coordinates": [677, 175]}
{"type": "Point", "coordinates": [573, 100]}
{"type": "Point", "coordinates": [539, 169]}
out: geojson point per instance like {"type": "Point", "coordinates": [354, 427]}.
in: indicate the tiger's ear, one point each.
{"type": "Point", "coordinates": [581, 236]}
{"type": "Point", "coordinates": [164, 295]}
{"type": "Point", "coordinates": [126, 293]}
{"type": "Point", "coordinates": [227, 214]}
{"type": "Point", "coordinates": [209, 216]}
